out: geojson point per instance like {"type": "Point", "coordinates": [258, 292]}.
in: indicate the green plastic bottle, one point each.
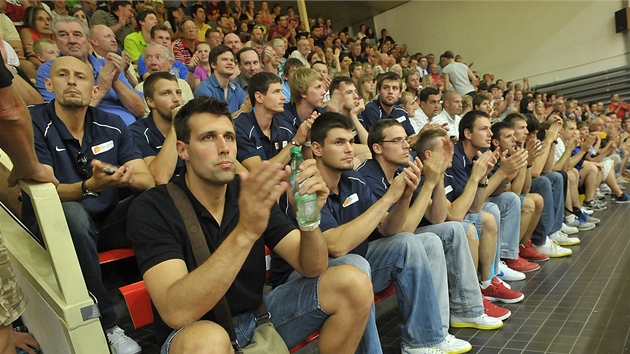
{"type": "Point", "coordinates": [307, 213]}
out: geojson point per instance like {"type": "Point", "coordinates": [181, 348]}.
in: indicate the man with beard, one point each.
{"type": "Point", "coordinates": [259, 134]}
{"type": "Point", "coordinates": [248, 64]}
{"type": "Point", "coordinates": [155, 135]}
{"type": "Point", "coordinates": [413, 83]}
{"type": "Point", "coordinates": [93, 156]}
{"type": "Point", "coordinates": [238, 218]}
{"type": "Point", "coordinates": [388, 87]}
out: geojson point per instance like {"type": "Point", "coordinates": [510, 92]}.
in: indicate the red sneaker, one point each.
{"type": "Point", "coordinates": [498, 292]}
{"type": "Point", "coordinates": [529, 253]}
{"type": "Point", "coordinates": [521, 265]}
{"type": "Point", "coordinates": [495, 311]}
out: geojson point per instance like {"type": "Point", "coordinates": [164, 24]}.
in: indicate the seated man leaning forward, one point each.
{"type": "Point", "coordinates": [115, 95]}
{"type": "Point", "coordinates": [94, 157]}
{"type": "Point", "coordinates": [238, 217]}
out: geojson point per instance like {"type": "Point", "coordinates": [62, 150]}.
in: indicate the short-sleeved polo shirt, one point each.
{"type": "Point", "coordinates": [374, 112]}
{"type": "Point", "coordinates": [212, 88]}
{"type": "Point", "coordinates": [135, 45]}
{"type": "Point", "coordinates": [289, 117]}
{"type": "Point", "coordinates": [110, 103]}
{"type": "Point", "coordinates": [251, 141]}
{"type": "Point", "coordinates": [460, 170]}
{"type": "Point", "coordinates": [354, 199]}
{"type": "Point", "coordinates": [149, 140]}
{"type": "Point", "coordinates": [106, 138]}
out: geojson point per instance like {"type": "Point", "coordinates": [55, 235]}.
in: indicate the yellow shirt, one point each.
{"type": "Point", "coordinates": [201, 32]}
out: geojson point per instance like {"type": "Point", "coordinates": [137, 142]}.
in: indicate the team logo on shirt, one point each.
{"type": "Point", "coordinates": [101, 148]}
{"type": "Point", "coordinates": [448, 189]}
{"type": "Point", "coordinates": [351, 200]}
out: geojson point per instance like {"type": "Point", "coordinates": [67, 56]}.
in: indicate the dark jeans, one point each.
{"type": "Point", "coordinates": [550, 186]}
{"type": "Point", "coordinates": [90, 237]}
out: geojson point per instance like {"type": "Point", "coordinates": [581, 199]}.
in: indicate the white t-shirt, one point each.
{"type": "Point", "coordinates": [453, 123]}
{"type": "Point", "coordinates": [559, 150]}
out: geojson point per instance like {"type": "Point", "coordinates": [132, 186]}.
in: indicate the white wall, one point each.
{"type": "Point", "coordinates": [543, 40]}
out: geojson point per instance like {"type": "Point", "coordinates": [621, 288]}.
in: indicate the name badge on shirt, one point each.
{"type": "Point", "coordinates": [401, 119]}
{"type": "Point", "coordinates": [351, 200]}
{"type": "Point", "coordinates": [448, 189]}
{"type": "Point", "coordinates": [101, 148]}
{"type": "Point", "coordinates": [284, 144]}
{"type": "Point", "coordinates": [276, 145]}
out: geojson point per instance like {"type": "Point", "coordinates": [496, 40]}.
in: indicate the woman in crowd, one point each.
{"type": "Point", "coordinates": [267, 18]}
{"type": "Point", "coordinates": [539, 111]}
{"type": "Point", "coordinates": [80, 13]}
{"type": "Point", "coordinates": [527, 105]}
{"type": "Point", "coordinates": [250, 11]}
{"type": "Point", "coordinates": [160, 13]}
{"type": "Point", "coordinates": [37, 26]}
{"type": "Point", "coordinates": [175, 17]}
{"type": "Point", "coordinates": [365, 88]}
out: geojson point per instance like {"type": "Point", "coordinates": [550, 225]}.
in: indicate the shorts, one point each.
{"type": "Point", "coordinates": [608, 165]}
{"type": "Point", "coordinates": [12, 302]}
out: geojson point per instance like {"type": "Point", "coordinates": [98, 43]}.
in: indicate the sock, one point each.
{"type": "Point", "coordinates": [485, 283]}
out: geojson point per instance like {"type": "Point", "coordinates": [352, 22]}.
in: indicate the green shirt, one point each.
{"type": "Point", "coordinates": [135, 45]}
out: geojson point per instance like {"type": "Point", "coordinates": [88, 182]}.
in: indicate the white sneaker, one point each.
{"type": "Point", "coordinates": [587, 212]}
{"type": "Point", "coordinates": [432, 350]}
{"type": "Point", "coordinates": [480, 322]}
{"type": "Point", "coordinates": [450, 344]}
{"type": "Point", "coordinates": [605, 189]}
{"type": "Point", "coordinates": [508, 274]}
{"type": "Point", "coordinates": [120, 343]}
{"type": "Point", "coordinates": [569, 230]}
{"type": "Point", "coordinates": [572, 220]}
{"type": "Point", "coordinates": [563, 239]}
{"type": "Point", "coordinates": [552, 249]}
{"type": "Point", "coordinates": [599, 195]}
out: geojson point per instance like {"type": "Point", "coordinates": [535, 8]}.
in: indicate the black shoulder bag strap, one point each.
{"type": "Point", "coordinates": [202, 253]}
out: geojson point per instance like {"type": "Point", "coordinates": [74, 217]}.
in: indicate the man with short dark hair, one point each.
{"type": "Point", "coordinates": [429, 108]}
{"type": "Point", "coordinates": [290, 67]}
{"type": "Point", "coordinates": [260, 135]}
{"type": "Point", "coordinates": [256, 41]}
{"type": "Point", "coordinates": [219, 85]}
{"type": "Point", "coordinates": [355, 70]}
{"type": "Point", "coordinates": [457, 76]}
{"type": "Point", "coordinates": [390, 149]}
{"type": "Point", "coordinates": [355, 222]}
{"type": "Point", "coordinates": [248, 64]}
{"type": "Point", "coordinates": [94, 157]}
{"type": "Point", "coordinates": [388, 86]}
{"type": "Point", "coordinates": [198, 14]}
{"type": "Point", "coordinates": [213, 37]}
{"type": "Point", "coordinates": [238, 218]}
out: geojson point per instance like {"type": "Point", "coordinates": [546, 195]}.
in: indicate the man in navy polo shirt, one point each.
{"type": "Point", "coordinates": [219, 85]}
{"type": "Point", "coordinates": [388, 87]}
{"type": "Point", "coordinates": [390, 151]}
{"type": "Point", "coordinates": [259, 134]}
{"type": "Point", "coordinates": [155, 135]}
{"type": "Point", "coordinates": [352, 214]}
{"type": "Point", "coordinates": [307, 98]}
{"type": "Point", "coordinates": [468, 206]}
{"type": "Point", "coordinates": [475, 136]}
{"type": "Point", "coordinates": [71, 137]}
{"type": "Point", "coordinates": [115, 94]}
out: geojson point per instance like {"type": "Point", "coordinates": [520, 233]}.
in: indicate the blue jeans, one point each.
{"type": "Point", "coordinates": [509, 223]}
{"type": "Point", "coordinates": [551, 187]}
{"type": "Point", "coordinates": [403, 259]}
{"type": "Point", "coordinates": [463, 287]}
{"type": "Point", "coordinates": [89, 237]}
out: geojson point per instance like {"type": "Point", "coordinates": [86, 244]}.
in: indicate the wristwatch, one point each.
{"type": "Point", "coordinates": [483, 185]}
{"type": "Point", "coordinates": [86, 192]}
{"type": "Point", "coordinates": [294, 143]}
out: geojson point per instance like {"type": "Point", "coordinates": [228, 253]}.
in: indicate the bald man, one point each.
{"type": "Point", "coordinates": [93, 155]}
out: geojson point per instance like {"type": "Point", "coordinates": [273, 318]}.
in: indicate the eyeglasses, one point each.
{"type": "Point", "coordinates": [189, 28]}
{"type": "Point", "coordinates": [398, 140]}
{"type": "Point", "coordinates": [82, 164]}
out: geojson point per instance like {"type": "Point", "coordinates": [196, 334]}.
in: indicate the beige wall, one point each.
{"type": "Point", "coordinates": [544, 40]}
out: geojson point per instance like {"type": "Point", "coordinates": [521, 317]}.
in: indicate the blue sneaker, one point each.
{"type": "Point", "coordinates": [622, 199]}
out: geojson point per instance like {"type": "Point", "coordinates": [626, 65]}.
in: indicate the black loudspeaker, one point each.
{"type": "Point", "coordinates": [622, 18]}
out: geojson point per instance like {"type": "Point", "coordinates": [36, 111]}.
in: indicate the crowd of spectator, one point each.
{"type": "Point", "coordinates": [430, 177]}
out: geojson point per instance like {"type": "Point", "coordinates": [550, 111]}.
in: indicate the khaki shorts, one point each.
{"type": "Point", "coordinates": [12, 302]}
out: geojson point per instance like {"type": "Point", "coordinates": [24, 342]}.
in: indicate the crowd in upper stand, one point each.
{"type": "Point", "coordinates": [476, 179]}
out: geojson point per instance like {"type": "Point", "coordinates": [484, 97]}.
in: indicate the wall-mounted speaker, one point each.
{"type": "Point", "coordinates": [622, 19]}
